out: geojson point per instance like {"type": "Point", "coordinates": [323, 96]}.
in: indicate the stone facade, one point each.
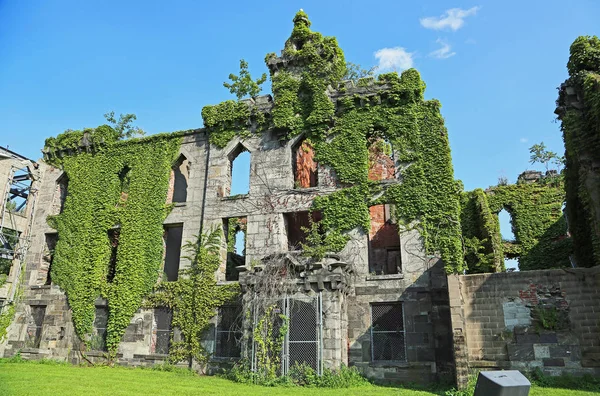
{"type": "Point", "coordinates": [418, 284]}
{"type": "Point", "coordinates": [380, 304]}
{"type": "Point", "coordinates": [547, 319]}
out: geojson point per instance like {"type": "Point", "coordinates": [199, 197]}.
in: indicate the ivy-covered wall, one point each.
{"type": "Point", "coordinates": [481, 233]}
{"type": "Point", "coordinates": [117, 185]}
{"type": "Point", "coordinates": [538, 224]}
{"type": "Point", "coordinates": [578, 109]}
{"type": "Point", "coordinates": [310, 99]}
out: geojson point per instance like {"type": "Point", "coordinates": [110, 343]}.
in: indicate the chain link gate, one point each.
{"type": "Point", "coordinates": [303, 341]}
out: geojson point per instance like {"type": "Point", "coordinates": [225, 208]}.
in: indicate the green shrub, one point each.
{"type": "Point", "coordinates": [299, 375]}
{"type": "Point", "coordinates": [466, 392]}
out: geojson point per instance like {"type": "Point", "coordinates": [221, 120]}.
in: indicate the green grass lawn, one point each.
{"type": "Point", "coordinates": [54, 379]}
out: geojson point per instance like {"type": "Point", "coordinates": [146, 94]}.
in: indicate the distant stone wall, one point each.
{"type": "Point", "coordinates": [522, 320]}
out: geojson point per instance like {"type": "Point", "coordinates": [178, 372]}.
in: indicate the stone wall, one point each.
{"type": "Point", "coordinates": [547, 319]}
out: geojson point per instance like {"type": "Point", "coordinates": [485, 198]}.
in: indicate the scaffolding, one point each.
{"type": "Point", "coordinates": [16, 218]}
{"type": "Point", "coordinates": [18, 192]}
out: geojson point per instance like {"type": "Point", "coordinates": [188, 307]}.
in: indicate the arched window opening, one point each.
{"type": "Point", "coordinates": [304, 166]}
{"type": "Point", "coordinates": [180, 175]}
{"type": "Point", "coordinates": [506, 229]}
{"type": "Point", "coordinates": [48, 256]}
{"type": "Point", "coordinates": [239, 167]}
{"type": "Point", "coordinates": [62, 185]}
{"type": "Point", "coordinates": [384, 241]}
{"type": "Point", "coordinates": [382, 165]}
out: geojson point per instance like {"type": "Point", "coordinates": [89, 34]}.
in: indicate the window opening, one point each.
{"type": "Point", "coordinates": [180, 179]}
{"type": "Point", "coordinates": [163, 317]}
{"type": "Point", "coordinates": [382, 165]}
{"type": "Point", "coordinates": [51, 240]}
{"type": "Point", "coordinates": [235, 237]}
{"type": "Point", "coordinates": [20, 187]}
{"type": "Point", "coordinates": [387, 332]}
{"type": "Point", "coordinates": [384, 241]}
{"type": "Point", "coordinates": [304, 166]}
{"type": "Point", "coordinates": [34, 331]}
{"type": "Point", "coordinates": [124, 179]}
{"type": "Point", "coordinates": [297, 225]}
{"type": "Point", "coordinates": [228, 331]}
{"type": "Point", "coordinates": [173, 238]}
{"type": "Point", "coordinates": [62, 186]}
{"type": "Point", "coordinates": [98, 338]}
{"type": "Point", "coordinates": [239, 171]}
{"type": "Point", "coordinates": [507, 232]}
{"type": "Point", "coordinates": [9, 245]}
{"type": "Point", "coordinates": [113, 240]}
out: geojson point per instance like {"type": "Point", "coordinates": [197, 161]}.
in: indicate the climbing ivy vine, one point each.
{"type": "Point", "coordinates": [100, 199]}
{"type": "Point", "coordinates": [540, 229]}
{"type": "Point", "coordinates": [481, 233]}
{"type": "Point", "coordinates": [395, 110]}
{"type": "Point", "coordinates": [194, 297]}
{"type": "Point", "coordinates": [578, 109]}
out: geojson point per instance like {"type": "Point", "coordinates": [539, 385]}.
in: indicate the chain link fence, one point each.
{"type": "Point", "coordinates": [302, 342]}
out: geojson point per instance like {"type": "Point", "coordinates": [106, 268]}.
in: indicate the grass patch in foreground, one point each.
{"type": "Point", "coordinates": [48, 378]}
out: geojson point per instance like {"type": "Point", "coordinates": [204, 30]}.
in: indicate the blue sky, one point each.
{"type": "Point", "coordinates": [494, 65]}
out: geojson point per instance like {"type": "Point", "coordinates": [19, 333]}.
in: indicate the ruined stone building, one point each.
{"type": "Point", "coordinates": [339, 158]}
{"type": "Point", "coordinates": [351, 207]}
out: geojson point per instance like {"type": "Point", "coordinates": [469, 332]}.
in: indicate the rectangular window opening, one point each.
{"type": "Point", "coordinates": [387, 332]}
{"type": "Point", "coordinates": [235, 238]}
{"type": "Point", "coordinates": [19, 190]}
{"type": "Point", "coordinates": [163, 317]}
{"type": "Point", "coordinates": [34, 330]}
{"type": "Point", "coordinates": [113, 238]}
{"type": "Point", "coordinates": [384, 241]}
{"type": "Point", "coordinates": [297, 226]}
{"type": "Point", "coordinates": [228, 332]}
{"type": "Point", "coordinates": [98, 338]}
{"type": "Point", "coordinates": [173, 238]}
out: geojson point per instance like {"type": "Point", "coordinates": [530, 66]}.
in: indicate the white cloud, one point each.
{"type": "Point", "coordinates": [523, 140]}
{"type": "Point", "coordinates": [444, 52]}
{"type": "Point", "coordinates": [396, 58]}
{"type": "Point", "coordinates": [452, 19]}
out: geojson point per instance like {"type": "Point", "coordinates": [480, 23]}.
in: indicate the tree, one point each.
{"type": "Point", "coordinates": [123, 125]}
{"type": "Point", "coordinates": [539, 154]}
{"type": "Point", "coordinates": [243, 84]}
{"type": "Point", "coordinates": [355, 72]}
{"type": "Point", "coordinates": [194, 297]}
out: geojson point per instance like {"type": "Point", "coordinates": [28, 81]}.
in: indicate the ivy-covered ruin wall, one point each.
{"type": "Point", "coordinates": [117, 194]}
{"type": "Point", "coordinates": [340, 120]}
{"type": "Point", "coordinates": [539, 226]}
{"type": "Point", "coordinates": [578, 109]}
